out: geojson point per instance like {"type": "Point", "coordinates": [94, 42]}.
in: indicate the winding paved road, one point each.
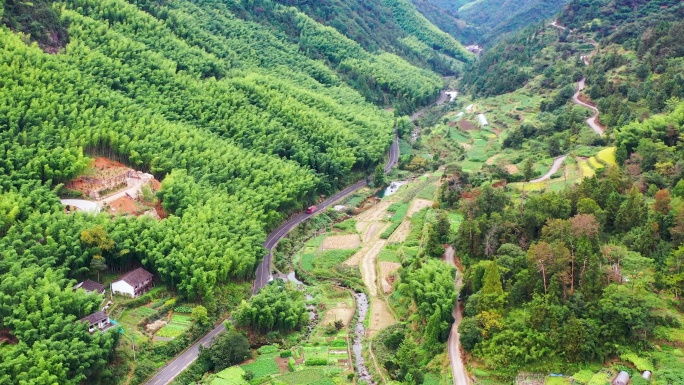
{"type": "Point", "coordinates": [458, 371]}
{"type": "Point", "coordinates": [554, 167]}
{"type": "Point", "coordinates": [591, 121]}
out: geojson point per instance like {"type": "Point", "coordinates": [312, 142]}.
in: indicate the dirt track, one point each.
{"type": "Point", "coordinates": [554, 168]}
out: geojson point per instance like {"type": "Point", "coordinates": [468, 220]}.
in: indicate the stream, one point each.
{"type": "Point", "coordinates": [360, 331]}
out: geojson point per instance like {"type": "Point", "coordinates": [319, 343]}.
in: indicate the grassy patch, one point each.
{"type": "Point", "coordinates": [307, 376]}
{"type": "Point", "coordinates": [307, 261]}
{"type": "Point", "coordinates": [330, 258]}
{"type": "Point", "coordinates": [264, 365]}
{"type": "Point", "coordinates": [231, 376]}
{"type": "Point", "coordinates": [428, 192]}
{"type": "Point", "coordinates": [347, 226]}
{"type": "Point", "coordinates": [388, 255]}
{"type": "Point", "coordinates": [607, 156]}
{"type": "Point", "coordinates": [171, 331]}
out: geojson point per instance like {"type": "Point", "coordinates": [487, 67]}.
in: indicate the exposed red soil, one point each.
{"type": "Point", "coordinates": [466, 125]}
{"type": "Point", "coordinates": [155, 184]}
{"type": "Point", "coordinates": [124, 205]}
{"type": "Point", "coordinates": [7, 337]}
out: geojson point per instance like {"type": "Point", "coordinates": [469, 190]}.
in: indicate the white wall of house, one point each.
{"type": "Point", "coordinates": [122, 287]}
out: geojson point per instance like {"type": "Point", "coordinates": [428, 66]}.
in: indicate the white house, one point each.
{"type": "Point", "coordinates": [134, 283]}
{"type": "Point", "coordinates": [97, 321]}
{"type": "Point", "coordinates": [483, 120]}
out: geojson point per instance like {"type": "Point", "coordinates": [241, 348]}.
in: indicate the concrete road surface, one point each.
{"type": "Point", "coordinates": [458, 371]}
{"type": "Point", "coordinates": [554, 168]}
{"type": "Point", "coordinates": [592, 120]}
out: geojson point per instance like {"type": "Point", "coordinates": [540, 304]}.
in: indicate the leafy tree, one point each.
{"type": "Point", "coordinates": [200, 315]}
{"type": "Point", "coordinates": [228, 349]}
{"type": "Point", "coordinates": [276, 307]}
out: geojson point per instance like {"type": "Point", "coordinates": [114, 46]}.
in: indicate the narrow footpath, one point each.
{"type": "Point", "coordinates": [458, 371]}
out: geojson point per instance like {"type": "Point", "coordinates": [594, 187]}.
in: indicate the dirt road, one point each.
{"type": "Point", "coordinates": [554, 168]}
{"type": "Point", "coordinates": [458, 371]}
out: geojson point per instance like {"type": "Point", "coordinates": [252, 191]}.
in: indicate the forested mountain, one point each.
{"type": "Point", "coordinates": [492, 19]}
{"type": "Point", "coordinates": [561, 279]}
{"type": "Point", "coordinates": [246, 110]}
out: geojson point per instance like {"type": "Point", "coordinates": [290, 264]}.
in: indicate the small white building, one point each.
{"type": "Point", "coordinates": [452, 95]}
{"type": "Point", "coordinates": [134, 283]}
{"type": "Point", "coordinates": [97, 321]}
{"type": "Point", "coordinates": [483, 121]}
{"type": "Point", "coordinates": [459, 114]}
{"type": "Point", "coordinates": [470, 108]}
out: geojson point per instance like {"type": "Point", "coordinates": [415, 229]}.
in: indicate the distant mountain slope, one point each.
{"type": "Point", "coordinates": [393, 26]}
{"type": "Point", "coordinates": [496, 18]}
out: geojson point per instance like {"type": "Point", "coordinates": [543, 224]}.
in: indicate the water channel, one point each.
{"type": "Point", "coordinates": [360, 332]}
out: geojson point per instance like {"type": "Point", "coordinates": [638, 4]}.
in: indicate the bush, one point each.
{"type": "Point", "coordinates": [291, 364]}
{"type": "Point", "coordinates": [267, 349]}
{"type": "Point", "coordinates": [182, 309]}
{"type": "Point", "coordinates": [286, 353]}
{"type": "Point", "coordinates": [316, 362]}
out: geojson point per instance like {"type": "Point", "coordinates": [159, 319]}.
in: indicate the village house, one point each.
{"type": "Point", "coordinates": [90, 286]}
{"type": "Point", "coordinates": [134, 283]}
{"type": "Point", "coordinates": [97, 321]}
{"type": "Point", "coordinates": [621, 379]}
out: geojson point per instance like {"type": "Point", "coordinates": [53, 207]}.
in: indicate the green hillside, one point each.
{"type": "Point", "coordinates": [493, 19]}
{"type": "Point", "coordinates": [246, 111]}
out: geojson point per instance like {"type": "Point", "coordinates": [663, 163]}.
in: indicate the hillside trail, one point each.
{"type": "Point", "coordinates": [458, 371]}
{"type": "Point", "coordinates": [554, 168]}
{"type": "Point", "coordinates": [592, 121]}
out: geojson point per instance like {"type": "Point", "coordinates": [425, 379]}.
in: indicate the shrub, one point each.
{"type": "Point", "coordinates": [182, 309]}
{"type": "Point", "coordinates": [316, 362]}
{"type": "Point", "coordinates": [286, 353]}
{"type": "Point", "coordinates": [291, 364]}
{"type": "Point", "coordinates": [267, 349]}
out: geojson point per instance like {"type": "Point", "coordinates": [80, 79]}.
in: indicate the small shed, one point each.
{"type": "Point", "coordinates": [621, 379]}
{"type": "Point", "coordinates": [90, 286]}
{"type": "Point", "coordinates": [646, 374]}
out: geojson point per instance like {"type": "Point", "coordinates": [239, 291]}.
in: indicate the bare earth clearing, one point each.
{"type": "Point", "coordinates": [386, 271]}
{"type": "Point", "coordinates": [350, 241]}
{"type": "Point", "coordinates": [417, 205]}
{"type": "Point", "coordinates": [400, 234]}
{"type": "Point", "coordinates": [342, 312]}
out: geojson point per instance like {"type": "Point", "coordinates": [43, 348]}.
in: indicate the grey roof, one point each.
{"type": "Point", "coordinates": [136, 277]}
{"type": "Point", "coordinates": [95, 317]}
{"type": "Point", "coordinates": [90, 285]}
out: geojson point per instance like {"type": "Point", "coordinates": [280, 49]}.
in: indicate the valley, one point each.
{"type": "Point", "coordinates": [414, 192]}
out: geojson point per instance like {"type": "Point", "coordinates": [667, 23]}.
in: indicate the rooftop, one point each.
{"type": "Point", "coordinates": [136, 276]}
{"type": "Point", "coordinates": [95, 317]}
{"type": "Point", "coordinates": [89, 286]}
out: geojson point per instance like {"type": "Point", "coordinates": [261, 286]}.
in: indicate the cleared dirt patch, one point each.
{"type": "Point", "coordinates": [386, 272]}
{"type": "Point", "coordinates": [154, 326]}
{"type": "Point", "coordinates": [342, 312]}
{"type": "Point", "coordinates": [380, 315]}
{"type": "Point", "coordinates": [511, 168]}
{"type": "Point", "coordinates": [124, 205]}
{"type": "Point", "coordinates": [349, 241]}
{"type": "Point", "coordinates": [467, 146]}
{"type": "Point", "coordinates": [466, 125]}
{"type": "Point", "coordinates": [492, 159]}
{"type": "Point", "coordinates": [372, 230]}
{"type": "Point", "coordinates": [400, 234]}
{"type": "Point", "coordinates": [419, 204]}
